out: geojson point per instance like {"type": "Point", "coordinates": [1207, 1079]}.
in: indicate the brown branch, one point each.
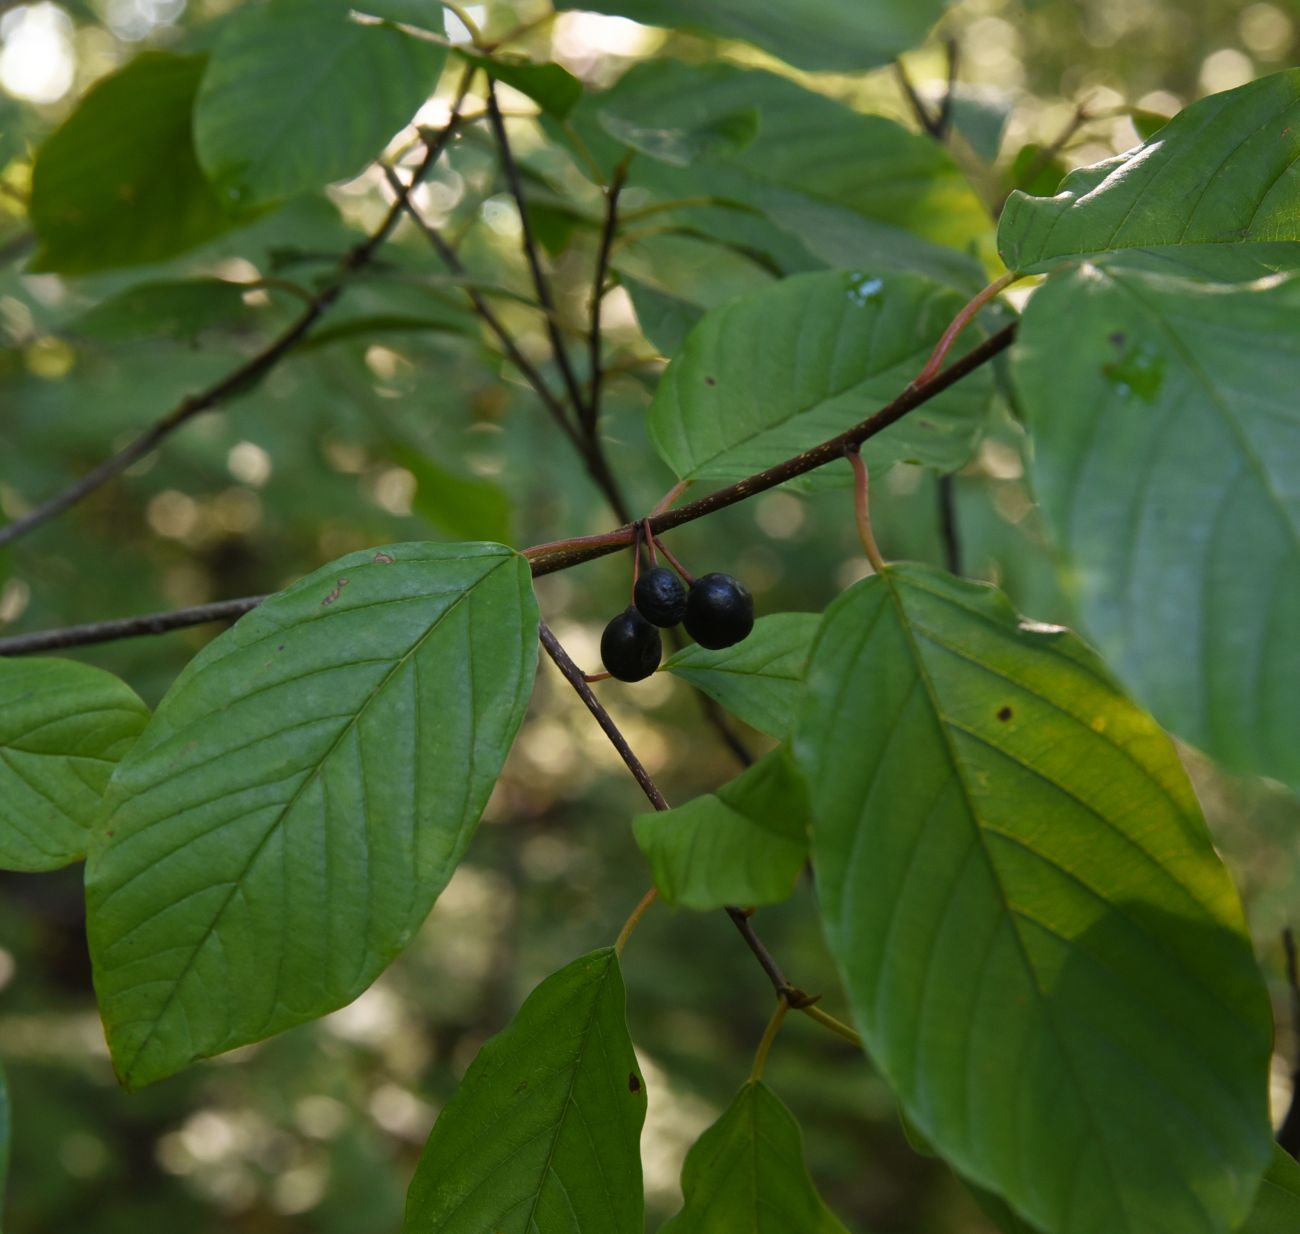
{"type": "Point", "coordinates": [573, 675]}
{"type": "Point", "coordinates": [564, 554]}
{"type": "Point", "coordinates": [244, 377]}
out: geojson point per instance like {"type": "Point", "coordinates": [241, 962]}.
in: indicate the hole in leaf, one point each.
{"type": "Point", "coordinates": [633, 1082]}
{"type": "Point", "coordinates": [1004, 714]}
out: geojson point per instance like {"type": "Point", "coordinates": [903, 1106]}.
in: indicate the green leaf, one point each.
{"type": "Point", "coordinates": [759, 679]}
{"type": "Point", "coordinates": [1166, 441]}
{"type": "Point", "coordinates": [980, 115]}
{"type": "Point", "coordinates": [715, 137]}
{"type": "Point", "coordinates": [554, 89]}
{"type": "Point", "coordinates": [1036, 170]}
{"type": "Point", "coordinates": [302, 796]}
{"type": "Point", "coordinates": [777, 371]}
{"type": "Point", "coordinates": [746, 1174]}
{"type": "Point", "coordinates": [179, 309]}
{"type": "Point", "coordinates": [298, 95]}
{"type": "Point", "coordinates": [665, 319]}
{"type": "Point", "coordinates": [744, 844]}
{"type": "Point", "coordinates": [842, 35]}
{"type": "Point", "coordinates": [117, 183]}
{"type": "Point", "coordinates": [63, 727]}
{"type": "Point", "coordinates": [459, 504]}
{"type": "Point", "coordinates": [1225, 170]}
{"type": "Point", "coordinates": [1045, 956]}
{"type": "Point", "coordinates": [542, 1137]}
{"type": "Point", "coordinates": [1277, 1205]}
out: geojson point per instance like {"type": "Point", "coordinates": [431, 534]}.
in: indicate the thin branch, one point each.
{"type": "Point", "coordinates": [243, 378]}
{"type": "Point", "coordinates": [1288, 1135]}
{"type": "Point", "coordinates": [963, 318]}
{"type": "Point", "coordinates": [126, 627]}
{"type": "Point", "coordinates": [573, 674]}
{"type": "Point", "coordinates": [531, 252]}
{"type": "Point", "coordinates": [564, 554]}
{"type": "Point", "coordinates": [948, 531]}
{"type": "Point", "coordinates": [590, 415]}
{"type": "Point", "coordinates": [929, 124]}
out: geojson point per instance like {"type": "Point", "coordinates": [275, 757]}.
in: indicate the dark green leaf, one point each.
{"type": "Point", "coordinates": [1166, 441]}
{"type": "Point", "coordinates": [777, 371]}
{"type": "Point", "coordinates": [369, 326]}
{"type": "Point", "coordinates": [1226, 170]}
{"type": "Point", "coordinates": [459, 504]}
{"type": "Point", "coordinates": [744, 844]}
{"type": "Point", "coordinates": [717, 137]}
{"type": "Point", "coordinates": [844, 35]}
{"type": "Point", "coordinates": [301, 797]}
{"type": "Point", "coordinates": [178, 309]}
{"type": "Point", "coordinates": [746, 1174]}
{"type": "Point", "coordinates": [297, 95]}
{"type": "Point", "coordinates": [117, 183]}
{"type": "Point", "coordinates": [542, 1137]}
{"type": "Point", "coordinates": [1036, 170]}
{"type": "Point", "coordinates": [554, 89]}
{"type": "Point", "coordinates": [1277, 1205]}
{"type": "Point", "coordinates": [980, 115]}
{"type": "Point", "coordinates": [664, 319]}
{"type": "Point", "coordinates": [63, 727]}
{"type": "Point", "coordinates": [758, 679]}
{"type": "Point", "coordinates": [1044, 954]}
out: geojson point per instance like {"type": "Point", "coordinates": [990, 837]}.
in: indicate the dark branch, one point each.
{"type": "Point", "coordinates": [929, 124]}
{"type": "Point", "coordinates": [1288, 1135]}
{"type": "Point", "coordinates": [943, 124]}
{"type": "Point", "coordinates": [243, 378]}
{"type": "Point", "coordinates": [948, 532]}
{"type": "Point", "coordinates": [591, 414]}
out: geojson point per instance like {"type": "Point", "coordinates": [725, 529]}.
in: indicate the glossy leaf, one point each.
{"type": "Point", "coordinates": [301, 797]}
{"type": "Point", "coordinates": [1166, 444]}
{"type": "Point", "coordinates": [744, 844]}
{"type": "Point", "coordinates": [777, 371]}
{"type": "Point", "coordinates": [1225, 170]}
{"type": "Point", "coordinates": [843, 35]}
{"type": "Point", "coordinates": [746, 1174]}
{"type": "Point", "coordinates": [1045, 956]}
{"type": "Point", "coordinates": [554, 89]}
{"type": "Point", "coordinates": [63, 727]}
{"type": "Point", "coordinates": [758, 679]}
{"type": "Point", "coordinates": [178, 309]}
{"type": "Point", "coordinates": [542, 1137]}
{"type": "Point", "coordinates": [128, 141]}
{"type": "Point", "coordinates": [297, 95]}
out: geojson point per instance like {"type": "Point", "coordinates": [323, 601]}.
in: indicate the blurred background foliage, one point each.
{"type": "Point", "coordinates": [396, 422]}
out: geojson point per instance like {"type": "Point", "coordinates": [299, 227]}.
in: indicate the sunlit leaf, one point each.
{"type": "Point", "coordinates": [63, 727]}
{"type": "Point", "coordinates": [744, 844]}
{"type": "Point", "coordinates": [1045, 956]}
{"type": "Point", "coordinates": [1166, 435]}
{"type": "Point", "coordinates": [301, 797]}
{"type": "Point", "coordinates": [1225, 170]}
{"type": "Point", "coordinates": [117, 183]}
{"type": "Point", "coordinates": [746, 1174]}
{"type": "Point", "coordinates": [758, 679]}
{"type": "Point", "coordinates": [542, 1137]}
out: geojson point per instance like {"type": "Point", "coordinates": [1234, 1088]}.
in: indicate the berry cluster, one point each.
{"type": "Point", "coordinates": [717, 612]}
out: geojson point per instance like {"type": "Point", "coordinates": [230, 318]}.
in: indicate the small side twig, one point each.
{"type": "Point", "coordinates": [590, 414]}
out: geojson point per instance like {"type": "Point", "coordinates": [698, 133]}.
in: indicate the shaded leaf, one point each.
{"type": "Point", "coordinates": [542, 1136]}
{"type": "Point", "coordinates": [297, 95]}
{"type": "Point", "coordinates": [1277, 1205]}
{"type": "Point", "coordinates": [460, 504]}
{"type": "Point", "coordinates": [777, 371]}
{"type": "Point", "coordinates": [1225, 170]}
{"type": "Point", "coordinates": [554, 89]}
{"type": "Point", "coordinates": [744, 844]}
{"type": "Point", "coordinates": [758, 679]}
{"type": "Point", "coordinates": [665, 319]}
{"type": "Point", "coordinates": [746, 1174]}
{"type": "Point", "coordinates": [716, 136]}
{"type": "Point", "coordinates": [301, 797]}
{"type": "Point", "coordinates": [63, 727]}
{"type": "Point", "coordinates": [1042, 950]}
{"type": "Point", "coordinates": [179, 309]}
{"type": "Point", "coordinates": [117, 183]}
{"type": "Point", "coordinates": [1166, 441]}
{"type": "Point", "coordinates": [844, 35]}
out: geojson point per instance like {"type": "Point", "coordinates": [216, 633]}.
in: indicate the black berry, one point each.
{"type": "Point", "coordinates": [719, 611]}
{"type": "Point", "coordinates": [630, 646]}
{"type": "Point", "coordinates": [660, 597]}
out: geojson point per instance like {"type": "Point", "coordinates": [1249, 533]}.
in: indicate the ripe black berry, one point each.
{"type": "Point", "coordinates": [719, 611]}
{"type": "Point", "coordinates": [630, 646]}
{"type": "Point", "coordinates": [660, 597]}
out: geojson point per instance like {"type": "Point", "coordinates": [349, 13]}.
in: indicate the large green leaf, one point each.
{"type": "Point", "coordinates": [758, 679]}
{"type": "Point", "coordinates": [844, 35]}
{"type": "Point", "coordinates": [542, 1137]}
{"type": "Point", "coordinates": [63, 727]}
{"type": "Point", "coordinates": [1277, 1205]}
{"type": "Point", "coordinates": [1166, 435]}
{"type": "Point", "coordinates": [117, 183]}
{"type": "Point", "coordinates": [1043, 952]}
{"type": "Point", "coordinates": [776, 371]}
{"type": "Point", "coordinates": [303, 794]}
{"type": "Point", "coordinates": [176, 308]}
{"type": "Point", "coordinates": [1226, 170]}
{"type": "Point", "coordinates": [746, 1174]}
{"type": "Point", "coordinates": [744, 844]}
{"type": "Point", "coordinates": [297, 94]}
